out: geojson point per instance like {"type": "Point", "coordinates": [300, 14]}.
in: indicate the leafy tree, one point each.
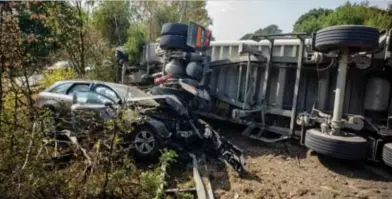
{"type": "Point", "coordinates": [70, 22]}
{"type": "Point", "coordinates": [81, 44]}
{"type": "Point", "coordinates": [153, 14]}
{"type": "Point", "coordinates": [32, 18]}
{"type": "Point", "coordinates": [156, 13]}
{"type": "Point", "coordinates": [25, 42]}
{"type": "Point", "coordinates": [360, 14]}
{"type": "Point", "coordinates": [246, 36]}
{"type": "Point", "coordinates": [113, 19]}
{"type": "Point", "coordinates": [192, 11]}
{"type": "Point", "coordinates": [38, 38]}
{"type": "Point", "coordinates": [357, 14]}
{"type": "Point", "coordinates": [309, 22]}
{"type": "Point", "coordinates": [271, 29]}
{"type": "Point", "coordinates": [137, 37]}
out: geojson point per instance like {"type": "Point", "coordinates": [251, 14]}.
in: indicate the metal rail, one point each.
{"type": "Point", "coordinates": [258, 37]}
{"type": "Point", "coordinates": [301, 51]}
{"type": "Point", "coordinates": [203, 191]}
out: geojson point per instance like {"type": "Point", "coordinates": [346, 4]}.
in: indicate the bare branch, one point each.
{"type": "Point", "coordinates": [29, 147]}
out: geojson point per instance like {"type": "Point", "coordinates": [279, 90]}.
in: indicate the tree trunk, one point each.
{"type": "Point", "coordinates": [1, 66]}
{"type": "Point", "coordinates": [29, 96]}
{"type": "Point", "coordinates": [81, 35]}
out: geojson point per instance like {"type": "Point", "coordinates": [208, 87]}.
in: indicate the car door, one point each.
{"type": "Point", "coordinates": [106, 91]}
{"type": "Point", "coordinates": [90, 110]}
{"type": "Point", "coordinates": [65, 99]}
{"type": "Point", "coordinates": [76, 87]}
{"type": "Point", "coordinates": [55, 97]}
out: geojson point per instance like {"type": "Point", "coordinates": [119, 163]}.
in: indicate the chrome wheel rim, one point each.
{"type": "Point", "coordinates": [144, 142]}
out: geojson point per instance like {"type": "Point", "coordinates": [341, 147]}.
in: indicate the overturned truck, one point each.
{"type": "Point", "coordinates": [332, 89]}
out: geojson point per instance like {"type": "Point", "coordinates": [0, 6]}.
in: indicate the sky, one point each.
{"type": "Point", "coordinates": [234, 18]}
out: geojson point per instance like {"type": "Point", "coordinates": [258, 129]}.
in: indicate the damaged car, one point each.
{"type": "Point", "coordinates": [154, 122]}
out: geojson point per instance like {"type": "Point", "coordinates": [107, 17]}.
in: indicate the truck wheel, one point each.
{"type": "Point", "coordinates": [348, 147]}
{"type": "Point", "coordinates": [174, 29]}
{"type": "Point", "coordinates": [387, 154]}
{"type": "Point", "coordinates": [174, 42]}
{"type": "Point", "coordinates": [355, 38]}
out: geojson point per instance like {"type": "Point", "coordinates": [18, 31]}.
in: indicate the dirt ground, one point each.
{"type": "Point", "coordinates": [287, 170]}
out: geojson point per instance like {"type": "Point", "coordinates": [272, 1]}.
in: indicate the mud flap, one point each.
{"type": "Point", "coordinates": [228, 153]}
{"type": "Point", "coordinates": [232, 156]}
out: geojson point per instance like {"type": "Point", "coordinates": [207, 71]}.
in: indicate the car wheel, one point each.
{"type": "Point", "coordinates": [174, 42]}
{"type": "Point", "coordinates": [174, 29]}
{"type": "Point", "coordinates": [349, 147]}
{"type": "Point", "coordinates": [146, 144]}
{"type": "Point", "coordinates": [387, 154]}
{"type": "Point", "coordinates": [353, 37]}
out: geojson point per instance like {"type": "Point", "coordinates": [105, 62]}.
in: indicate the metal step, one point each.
{"type": "Point", "coordinates": [249, 129]}
{"type": "Point", "coordinates": [269, 140]}
{"type": "Point", "coordinates": [249, 132]}
{"type": "Point", "coordinates": [260, 133]}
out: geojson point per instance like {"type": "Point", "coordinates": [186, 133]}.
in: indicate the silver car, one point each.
{"type": "Point", "coordinates": [58, 98]}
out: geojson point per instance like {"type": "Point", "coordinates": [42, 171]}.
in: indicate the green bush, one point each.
{"type": "Point", "coordinates": [52, 76]}
{"type": "Point", "coordinates": [105, 71]}
{"type": "Point", "coordinates": [27, 171]}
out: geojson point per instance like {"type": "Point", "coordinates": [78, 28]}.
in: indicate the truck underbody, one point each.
{"type": "Point", "coordinates": [279, 94]}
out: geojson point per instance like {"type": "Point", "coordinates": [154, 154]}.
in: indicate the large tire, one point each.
{"type": "Point", "coordinates": [353, 37]}
{"type": "Point", "coordinates": [174, 29]}
{"type": "Point", "coordinates": [387, 154]}
{"type": "Point", "coordinates": [341, 147]}
{"type": "Point", "coordinates": [174, 42]}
